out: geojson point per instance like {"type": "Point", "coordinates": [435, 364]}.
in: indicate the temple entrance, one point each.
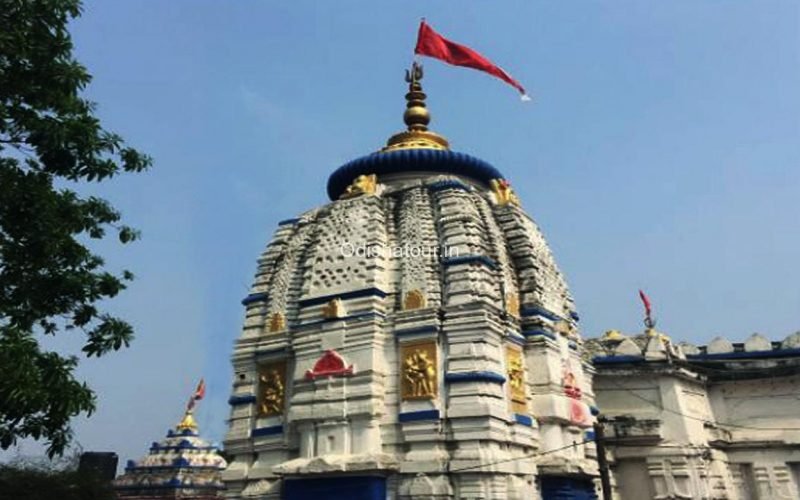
{"type": "Point", "coordinates": [567, 488]}
{"type": "Point", "coordinates": [335, 488]}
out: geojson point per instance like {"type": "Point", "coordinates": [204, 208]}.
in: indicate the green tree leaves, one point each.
{"type": "Point", "coordinates": [49, 280]}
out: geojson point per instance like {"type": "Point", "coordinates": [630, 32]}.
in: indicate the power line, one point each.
{"type": "Point", "coordinates": [530, 455]}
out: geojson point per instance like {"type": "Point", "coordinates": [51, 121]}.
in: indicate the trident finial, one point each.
{"type": "Point", "coordinates": [414, 74]}
{"type": "Point", "coordinates": [416, 116]}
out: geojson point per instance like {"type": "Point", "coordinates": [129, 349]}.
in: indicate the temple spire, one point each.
{"type": "Point", "coordinates": [416, 117]}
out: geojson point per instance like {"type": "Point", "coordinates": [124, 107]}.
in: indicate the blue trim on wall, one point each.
{"type": "Point", "coordinates": [572, 345]}
{"type": "Point", "coordinates": [358, 316]}
{"type": "Point", "coordinates": [266, 431]}
{"type": "Point", "coordinates": [355, 294]}
{"type": "Point", "coordinates": [244, 399]}
{"type": "Point", "coordinates": [610, 360]}
{"type": "Point", "coordinates": [588, 435]}
{"type": "Point", "coordinates": [515, 338]}
{"type": "Point", "coordinates": [415, 331]}
{"type": "Point", "coordinates": [523, 419]}
{"type": "Point", "coordinates": [537, 332]}
{"type": "Point", "coordinates": [476, 376]}
{"type": "Point", "coordinates": [286, 222]}
{"type": "Point", "coordinates": [469, 259]}
{"type": "Point", "coordinates": [413, 416]}
{"type": "Point", "coordinates": [448, 184]}
{"type": "Point", "coordinates": [411, 160]}
{"type": "Point", "coordinates": [266, 352]}
{"type": "Point", "coordinates": [527, 311]}
{"type": "Point", "coordinates": [575, 317]}
{"type": "Point", "coordinates": [779, 353]}
{"type": "Point", "coordinates": [254, 297]}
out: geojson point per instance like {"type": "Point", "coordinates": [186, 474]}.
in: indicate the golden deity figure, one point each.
{"type": "Point", "coordinates": [503, 192]}
{"type": "Point", "coordinates": [273, 392]}
{"type": "Point", "coordinates": [277, 322]}
{"type": "Point", "coordinates": [363, 184]}
{"type": "Point", "coordinates": [419, 372]}
{"type": "Point", "coordinates": [516, 378]}
{"type": "Point", "coordinates": [415, 299]}
{"type": "Point", "coordinates": [333, 309]}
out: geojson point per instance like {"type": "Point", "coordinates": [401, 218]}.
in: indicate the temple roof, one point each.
{"type": "Point", "coordinates": [416, 149]}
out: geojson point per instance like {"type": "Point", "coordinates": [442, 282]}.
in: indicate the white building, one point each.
{"type": "Point", "coordinates": [720, 421]}
{"type": "Point", "coordinates": [413, 338]}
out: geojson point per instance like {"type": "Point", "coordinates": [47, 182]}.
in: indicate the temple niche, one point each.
{"type": "Point", "coordinates": [413, 338]}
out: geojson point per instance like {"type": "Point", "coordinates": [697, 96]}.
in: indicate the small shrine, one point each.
{"type": "Point", "coordinates": [183, 465]}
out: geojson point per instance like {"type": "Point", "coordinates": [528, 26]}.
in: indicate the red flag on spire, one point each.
{"type": "Point", "coordinates": [199, 394]}
{"type": "Point", "coordinates": [432, 44]}
{"type": "Point", "coordinates": [646, 301]}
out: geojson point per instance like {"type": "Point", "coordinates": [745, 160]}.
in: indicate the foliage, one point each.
{"type": "Point", "coordinates": [49, 280]}
{"type": "Point", "coordinates": [48, 480]}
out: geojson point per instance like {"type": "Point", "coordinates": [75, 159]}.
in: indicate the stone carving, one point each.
{"type": "Point", "coordinates": [503, 193]}
{"type": "Point", "coordinates": [419, 375]}
{"type": "Point", "coordinates": [516, 379]}
{"type": "Point", "coordinates": [277, 322]}
{"type": "Point", "coordinates": [415, 299]}
{"type": "Point", "coordinates": [333, 309]}
{"type": "Point", "coordinates": [330, 364]}
{"type": "Point", "coordinates": [363, 184]}
{"type": "Point", "coordinates": [272, 389]}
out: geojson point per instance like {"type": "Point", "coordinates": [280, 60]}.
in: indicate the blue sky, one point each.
{"type": "Point", "coordinates": [660, 152]}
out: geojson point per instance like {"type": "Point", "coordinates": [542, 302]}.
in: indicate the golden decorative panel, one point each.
{"type": "Point", "coordinates": [419, 370]}
{"type": "Point", "coordinates": [272, 389]}
{"type": "Point", "coordinates": [515, 370]}
{"type": "Point", "coordinates": [333, 309]}
{"type": "Point", "coordinates": [277, 322]}
{"type": "Point", "coordinates": [512, 304]}
{"type": "Point", "coordinates": [415, 299]}
{"type": "Point", "coordinates": [503, 192]}
{"type": "Point", "coordinates": [363, 184]}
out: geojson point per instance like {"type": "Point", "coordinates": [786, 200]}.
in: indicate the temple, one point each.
{"type": "Point", "coordinates": [413, 338]}
{"type": "Point", "coordinates": [183, 465]}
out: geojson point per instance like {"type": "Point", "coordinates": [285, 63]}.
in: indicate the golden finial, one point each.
{"type": "Point", "coordinates": [187, 423]}
{"type": "Point", "coordinates": [416, 118]}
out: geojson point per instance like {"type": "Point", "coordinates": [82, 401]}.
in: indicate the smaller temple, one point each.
{"type": "Point", "coordinates": [183, 465]}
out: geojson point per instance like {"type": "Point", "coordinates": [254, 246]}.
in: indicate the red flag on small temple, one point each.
{"type": "Point", "coordinates": [432, 44]}
{"type": "Point", "coordinates": [199, 394]}
{"type": "Point", "coordinates": [646, 301]}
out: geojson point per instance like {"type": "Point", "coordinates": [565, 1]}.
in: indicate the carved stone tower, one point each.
{"type": "Point", "coordinates": [413, 338]}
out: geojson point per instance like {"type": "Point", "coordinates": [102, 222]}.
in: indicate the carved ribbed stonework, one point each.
{"type": "Point", "coordinates": [436, 298]}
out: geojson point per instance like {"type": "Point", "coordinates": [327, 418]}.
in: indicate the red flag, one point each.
{"type": "Point", "coordinates": [200, 392]}
{"type": "Point", "coordinates": [432, 44]}
{"type": "Point", "coordinates": [646, 302]}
